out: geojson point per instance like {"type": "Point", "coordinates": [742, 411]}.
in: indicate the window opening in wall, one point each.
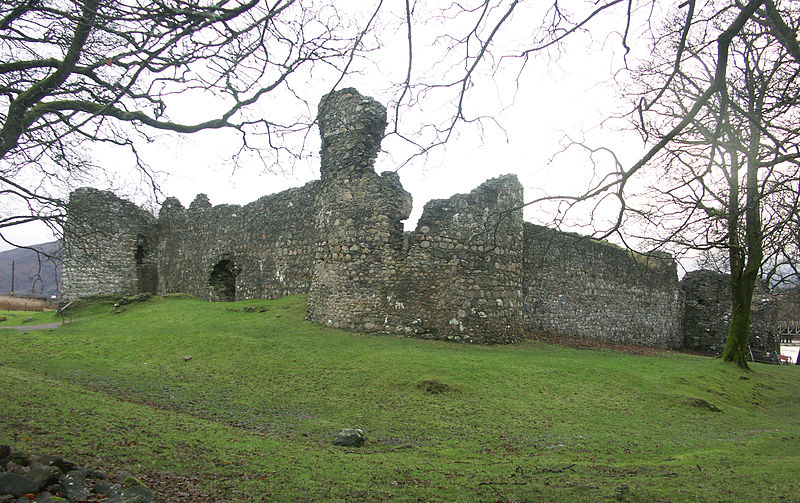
{"type": "Point", "coordinates": [139, 254]}
{"type": "Point", "coordinates": [222, 281]}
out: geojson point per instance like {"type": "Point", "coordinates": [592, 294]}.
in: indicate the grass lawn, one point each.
{"type": "Point", "coordinates": [17, 318]}
{"type": "Point", "coordinates": [251, 416]}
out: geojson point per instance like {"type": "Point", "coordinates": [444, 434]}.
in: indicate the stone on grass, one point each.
{"type": "Point", "coordinates": [18, 458]}
{"type": "Point", "coordinates": [42, 459]}
{"type": "Point", "coordinates": [103, 488]}
{"type": "Point", "coordinates": [125, 479]}
{"type": "Point", "coordinates": [74, 485]}
{"type": "Point", "coordinates": [36, 477]}
{"type": "Point", "coordinates": [433, 386]}
{"type": "Point", "coordinates": [16, 485]}
{"type": "Point", "coordinates": [43, 475]}
{"type": "Point", "coordinates": [137, 492]}
{"type": "Point", "coordinates": [350, 437]}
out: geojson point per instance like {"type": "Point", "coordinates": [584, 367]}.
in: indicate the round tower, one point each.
{"type": "Point", "coordinates": [358, 216]}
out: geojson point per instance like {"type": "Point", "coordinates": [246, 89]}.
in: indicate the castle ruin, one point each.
{"type": "Point", "coordinates": [471, 271]}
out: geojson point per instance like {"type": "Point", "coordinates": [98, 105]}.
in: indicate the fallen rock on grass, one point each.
{"type": "Point", "coordinates": [702, 404]}
{"type": "Point", "coordinates": [350, 437]}
{"type": "Point", "coordinates": [44, 478]}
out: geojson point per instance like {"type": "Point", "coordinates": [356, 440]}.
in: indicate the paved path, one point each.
{"type": "Point", "coordinates": [42, 326]}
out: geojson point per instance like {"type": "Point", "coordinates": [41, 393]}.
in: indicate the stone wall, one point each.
{"type": "Point", "coordinates": [460, 277]}
{"type": "Point", "coordinates": [228, 252]}
{"type": "Point", "coordinates": [109, 246]}
{"type": "Point", "coordinates": [575, 285]}
{"type": "Point", "coordinates": [471, 271]}
{"type": "Point", "coordinates": [707, 315]}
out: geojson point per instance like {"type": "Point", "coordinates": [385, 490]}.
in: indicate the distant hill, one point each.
{"type": "Point", "coordinates": [34, 273]}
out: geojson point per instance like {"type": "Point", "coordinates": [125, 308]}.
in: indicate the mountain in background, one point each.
{"type": "Point", "coordinates": [34, 273]}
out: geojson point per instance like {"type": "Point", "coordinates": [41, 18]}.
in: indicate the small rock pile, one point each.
{"type": "Point", "coordinates": [50, 479]}
{"type": "Point", "coordinates": [124, 301]}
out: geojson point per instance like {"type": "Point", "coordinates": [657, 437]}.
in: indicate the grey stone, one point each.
{"type": "Point", "coordinates": [16, 485]}
{"type": "Point", "coordinates": [12, 467]}
{"type": "Point", "coordinates": [350, 437]}
{"type": "Point", "coordinates": [137, 491]}
{"type": "Point", "coordinates": [89, 473]}
{"type": "Point", "coordinates": [128, 490]}
{"type": "Point", "coordinates": [43, 475]}
{"type": "Point", "coordinates": [126, 479]}
{"type": "Point", "coordinates": [134, 494]}
{"type": "Point", "coordinates": [63, 465]}
{"type": "Point", "coordinates": [73, 484]}
{"type": "Point", "coordinates": [18, 458]}
{"type": "Point", "coordinates": [46, 497]}
{"type": "Point", "coordinates": [103, 487]}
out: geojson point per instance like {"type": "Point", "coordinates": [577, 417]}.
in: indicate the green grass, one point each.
{"type": "Point", "coordinates": [19, 318]}
{"type": "Point", "coordinates": [253, 413]}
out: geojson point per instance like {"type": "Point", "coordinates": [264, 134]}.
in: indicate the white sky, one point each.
{"type": "Point", "coordinates": [568, 94]}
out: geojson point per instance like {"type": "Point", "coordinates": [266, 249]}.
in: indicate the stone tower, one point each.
{"type": "Point", "coordinates": [456, 277]}
{"type": "Point", "coordinates": [358, 215]}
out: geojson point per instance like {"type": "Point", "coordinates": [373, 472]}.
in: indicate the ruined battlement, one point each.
{"type": "Point", "coordinates": [471, 271]}
{"type": "Point", "coordinates": [109, 245]}
{"type": "Point", "coordinates": [351, 128]}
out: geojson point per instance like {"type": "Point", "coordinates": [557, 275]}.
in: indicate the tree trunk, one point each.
{"type": "Point", "coordinates": [745, 261]}
{"type": "Point", "coordinates": [739, 334]}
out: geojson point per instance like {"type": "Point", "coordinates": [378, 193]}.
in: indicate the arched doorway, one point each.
{"type": "Point", "coordinates": [222, 281]}
{"type": "Point", "coordinates": [146, 272]}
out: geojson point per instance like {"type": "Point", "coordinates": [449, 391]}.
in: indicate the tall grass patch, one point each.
{"type": "Point", "coordinates": [11, 303]}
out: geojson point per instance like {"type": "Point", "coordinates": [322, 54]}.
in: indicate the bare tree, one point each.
{"type": "Point", "coordinates": [478, 39]}
{"type": "Point", "coordinates": [727, 177]}
{"type": "Point", "coordinates": [719, 114]}
{"type": "Point", "coordinates": [80, 72]}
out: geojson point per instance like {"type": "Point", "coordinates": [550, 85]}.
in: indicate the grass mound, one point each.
{"type": "Point", "coordinates": [433, 386]}
{"type": "Point", "coordinates": [251, 415]}
{"type": "Point", "coordinates": [702, 404]}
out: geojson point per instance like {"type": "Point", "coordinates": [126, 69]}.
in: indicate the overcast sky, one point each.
{"type": "Point", "coordinates": [568, 95]}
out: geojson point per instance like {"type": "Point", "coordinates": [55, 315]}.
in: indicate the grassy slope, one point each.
{"type": "Point", "coordinates": [253, 412]}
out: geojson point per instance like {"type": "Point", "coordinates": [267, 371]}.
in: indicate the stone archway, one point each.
{"type": "Point", "coordinates": [222, 281]}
